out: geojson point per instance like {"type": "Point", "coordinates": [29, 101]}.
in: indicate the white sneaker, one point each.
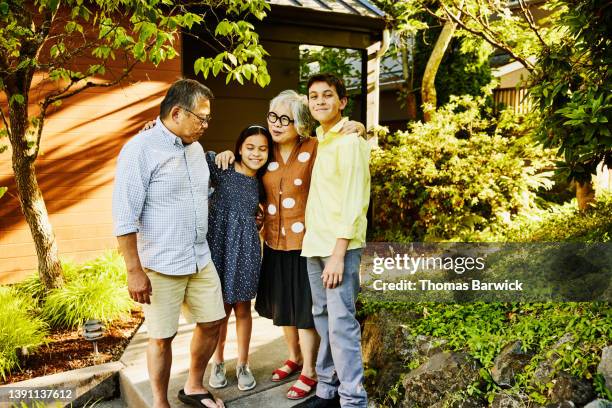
{"type": "Point", "coordinates": [246, 380]}
{"type": "Point", "coordinates": [217, 377]}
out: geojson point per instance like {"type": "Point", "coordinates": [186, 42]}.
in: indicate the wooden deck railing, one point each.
{"type": "Point", "coordinates": [512, 97]}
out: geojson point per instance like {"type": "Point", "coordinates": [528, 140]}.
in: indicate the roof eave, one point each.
{"type": "Point", "coordinates": [309, 17]}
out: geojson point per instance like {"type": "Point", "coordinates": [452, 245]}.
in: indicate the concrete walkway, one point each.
{"type": "Point", "coordinates": [267, 352]}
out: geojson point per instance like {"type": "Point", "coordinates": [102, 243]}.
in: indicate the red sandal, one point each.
{"type": "Point", "coordinates": [300, 393]}
{"type": "Point", "coordinates": [284, 374]}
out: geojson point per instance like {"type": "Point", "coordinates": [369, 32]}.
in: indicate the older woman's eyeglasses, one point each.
{"type": "Point", "coordinates": [204, 120]}
{"type": "Point", "coordinates": [284, 119]}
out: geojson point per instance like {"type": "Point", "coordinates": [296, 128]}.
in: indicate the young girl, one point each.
{"type": "Point", "coordinates": [234, 243]}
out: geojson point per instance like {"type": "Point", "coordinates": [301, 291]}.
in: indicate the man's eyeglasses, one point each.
{"type": "Point", "coordinates": [284, 119]}
{"type": "Point", "coordinates": [203, 120]}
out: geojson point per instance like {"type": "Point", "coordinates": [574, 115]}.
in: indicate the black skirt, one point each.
{"type": "Point", "coordinates": [283, 294]}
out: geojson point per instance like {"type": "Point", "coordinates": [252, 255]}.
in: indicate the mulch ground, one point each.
{"type": "Point", "coordinates": [67, 350]}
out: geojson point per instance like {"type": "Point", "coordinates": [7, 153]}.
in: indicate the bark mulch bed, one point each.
{"type": "Point", "coordinates": [67, 350]}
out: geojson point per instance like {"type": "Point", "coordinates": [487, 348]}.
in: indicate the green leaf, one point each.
{"type": "Point", "coordinates": [263, 79]}
{"type": "Point", "coordinates": [54, 51]}
{"type": "Point", "coordinates": [223, 28]}
{"type": "Point", "coordinates": [198, 65]}
{"type": "Point", "coordinates": [217, 65]}
{"type": "Point", "coordinates": [147, 30]}
{"type": "Point", "coordinates": [238, 78]}
{"type": "Point", "coordinates": [3, 190]}
{"type": "Point", "coordinates": [139, 51]}
{"type": "Point", "coordinates": [17, 98]}
{"type": "Point", "coordinates": [232, 58]}
{"type": "Point", "coordinates": [70, 27]}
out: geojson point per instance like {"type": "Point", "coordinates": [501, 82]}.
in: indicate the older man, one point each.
{"type": "Point", "coordinates": [160, 212]}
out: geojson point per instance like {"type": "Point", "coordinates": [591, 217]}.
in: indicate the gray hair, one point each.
{"type": "Point", "coordinates": [185, 93]}
{"type": "Point", "coordinates": [298, 105]}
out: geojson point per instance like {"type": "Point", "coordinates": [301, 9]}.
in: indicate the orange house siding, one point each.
{"type": "Point", "coordinates": [75, 169]}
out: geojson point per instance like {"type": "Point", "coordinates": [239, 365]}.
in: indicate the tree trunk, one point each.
{"type": "Point", "coordinates": [585, 194]}
{"type": "Point", "coordinates": [408, 75]}
{"type": "Point", "coordinates": [428, 89]}
{"type": "Point", "coordinates": [31, 198]}
{"type": "Point", "coordinates": [411, 106]}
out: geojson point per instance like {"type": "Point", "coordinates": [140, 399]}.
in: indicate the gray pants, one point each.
{"type": "Point", "coordinates": [339, 365]}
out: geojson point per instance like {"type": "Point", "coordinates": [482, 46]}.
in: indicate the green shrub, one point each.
{"type": "Point", "coordinates": [87, 297]}
{"type": "Point", "coordinates": [564, 223]}
{"type": "Point", "coordinates": [461, 176]}
{"type": "Point", "coordinates": [33, 287]}
{"type": "Point", "coordinates": [19, 329]}
{"type": "Point", "coordinates": [95, 290]}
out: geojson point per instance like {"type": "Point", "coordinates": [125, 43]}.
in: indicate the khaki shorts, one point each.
{"type": "Point", "coordinates": [199, 295]}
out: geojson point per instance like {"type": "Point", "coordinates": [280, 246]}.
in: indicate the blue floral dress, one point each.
{"type": "Point", "coordinates": [232, 231]}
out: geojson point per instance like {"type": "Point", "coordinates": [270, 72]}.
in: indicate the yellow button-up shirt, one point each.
{"type": "Point", "coordinates": [339, 193]}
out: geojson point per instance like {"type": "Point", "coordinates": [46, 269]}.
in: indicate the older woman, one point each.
{"type": "Point", "coordinates": [284, 290]}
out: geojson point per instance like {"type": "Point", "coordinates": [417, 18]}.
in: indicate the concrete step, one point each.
{"type": "Point", "coordinates": [272, 397]}
{"type": "Point", "coordinates": [267, 352]}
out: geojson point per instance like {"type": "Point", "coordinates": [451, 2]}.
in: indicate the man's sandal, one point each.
{"type": "Point", "coordinates": [284, 374]}
{"type": "Point", "coordinates": [300, 393]}
{"type": "Point", "coordinates": [195, 400]}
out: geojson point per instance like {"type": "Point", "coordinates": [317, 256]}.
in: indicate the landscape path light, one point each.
{"type": "Point", "coordinates": [93, 330]}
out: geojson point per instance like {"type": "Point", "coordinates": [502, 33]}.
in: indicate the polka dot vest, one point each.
{"type": "Point", "coordinates": [286, 186]}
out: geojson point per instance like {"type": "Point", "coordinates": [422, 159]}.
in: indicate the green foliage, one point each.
{"type": "Point", "coordinates": [19, 329]}
{"type": "Point", "coordinates": [96, 289]}
{"type": "Point", "coordinates": [564, 223]}
{"type": "Point", "coordinates": [461, 176]}
{"type": "Point", "coordinates": [147, 34]}
{"type": "Point", "coordinates": [33, 287]}
{"type": "Point", "coordinates": [464, 70]}
{"type": "Point", "coordinates": [512, 28]}
{"type": "Point", "coordinates": [483, 329]}
{"type": "Point", "coordinates": [245, 61]}
{"type": "Point", "coordinates": [88, 297]}
{"type": "Point", "coordinates": [572, 89]}
{"type": "Point", "coordinates": [340, 61]}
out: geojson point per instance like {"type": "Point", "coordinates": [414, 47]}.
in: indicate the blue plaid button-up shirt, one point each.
{"type": "Point", "coordinates": [161, 193]}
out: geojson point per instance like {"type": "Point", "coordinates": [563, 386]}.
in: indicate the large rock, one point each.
{"type": "Point", "coordinates": [503, 400]}
{"type": "Point", "coordinates": [443, 375]}
{"type": "Point", "coordinates": [605, 366]}
{"type": "Point", "coordinates": [381, 333]}
{"type": "Point", "coordinates": [388, 346]}
{"type": "Point", "coordinates": [454, 401]}
{"type": "Point", "coordinates": [564, 404]}
{"type": "Point", "coordinates": [427, 346]}
{"type": "Point", "coordinates": [545, 372]}
{"type": "Point", "coordinates": [569, 388]}
{"type": "Point", "coordinates": [510, 361]}
{"type": "Point", "coordinates": [599, 403]}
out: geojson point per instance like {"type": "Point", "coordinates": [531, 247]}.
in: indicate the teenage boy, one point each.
{"type": "Point", "coordinates": [335, 235]}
